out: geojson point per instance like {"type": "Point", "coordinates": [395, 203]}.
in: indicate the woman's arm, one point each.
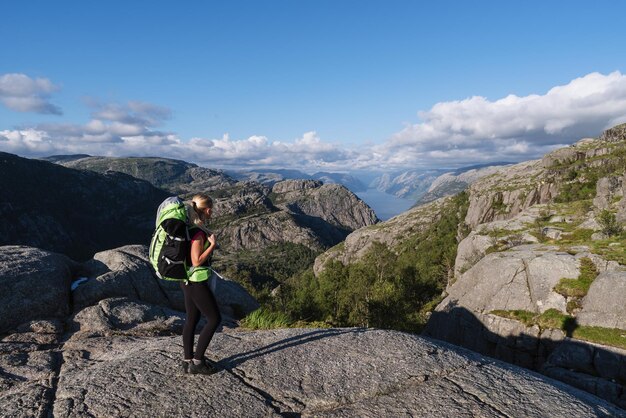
{"type": "Point", "coordinates": [198, 257]}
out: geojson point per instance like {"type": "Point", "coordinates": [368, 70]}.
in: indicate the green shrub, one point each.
{"type": "Point", "coordinates": [525, 317]}
{"type": "Point", "coordinates": [263, 318]}
{"type": "Point", "coordinates": [608, 222]}
{"type": "Point", "coordinates": [579, 236]}
{"type": "Point", "coordinates": [553, 318]}
{"type": "Point", "coordinates": [578, 288]}
{"type": "Point", "coordinates": [390, 288]}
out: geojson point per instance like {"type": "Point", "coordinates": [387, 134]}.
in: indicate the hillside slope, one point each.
{"type": "Point", "coordinates": [71, 211]}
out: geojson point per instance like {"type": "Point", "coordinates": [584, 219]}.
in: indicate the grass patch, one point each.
{"type": "Point", "coordinates": [578, 288]}
{"type": "Point", "coordinates": [607, 336]}
{"type": "Point", "coordinates": [265, 319]}
{"type": "Point", "coordinates": [578, 236]}
{"type": "Point", "coordinates": [525, 317]}
{"type": "Point", "coordinates": [555, 319]}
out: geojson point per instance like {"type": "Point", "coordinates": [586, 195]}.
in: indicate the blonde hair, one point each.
{"type": "Point", "coordinates": [199, 203]}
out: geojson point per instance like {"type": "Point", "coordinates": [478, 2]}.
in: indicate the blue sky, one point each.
{"type": "Point", "coordinates": [330, 85]}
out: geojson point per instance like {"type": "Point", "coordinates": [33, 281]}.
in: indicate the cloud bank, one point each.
{"type": "Point", "coordinates": [450, 134]}
{"type": "Point", "coordinates": [24, 94]}
{"type": "Point", "coordinates": [512, 128]}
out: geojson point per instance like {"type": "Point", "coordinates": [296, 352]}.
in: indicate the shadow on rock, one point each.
{"type": "Point", "coordinates": [240, 358]}
{"type": "Point", "coordinates": [596, 369]}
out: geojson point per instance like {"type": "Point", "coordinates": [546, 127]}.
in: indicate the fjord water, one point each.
{"type": "Point", "coordinates": [385, 205]}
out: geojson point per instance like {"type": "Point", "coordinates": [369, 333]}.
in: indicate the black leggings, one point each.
{"type": "Point", "coordinates": [199, 300]}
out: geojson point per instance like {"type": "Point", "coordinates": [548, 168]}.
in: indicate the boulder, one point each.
{"type": "Point", "coordinates": [590, 223]}
{"type": "Point", "coordinates": [552, 232]}
{"type": "Point", "coordinates": [309, 372]}
{"type": "Point", "coordinates": [471, 250]}
{"type": "Point", "coordinates": [126, 272]}
{"type": "Point", "coordinates": [121, 272]}
{"type": "Point", "coordinates": [521, 278]}
{"type": "Point", "coordinates": [124, 314]}
{"type": "Point", "coordinates": [599, 236]}
{"type": "Point", "coordinates": [606, 189]}
{"type": "Point", "coordinates": [34, 284]}
{"type": "Point", "coordinates": [605, 303]}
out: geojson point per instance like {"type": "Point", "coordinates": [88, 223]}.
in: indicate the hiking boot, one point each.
{"type": "Point", "coordinates": [185, 367]}
{"type": "Point", "coordinates": [202, 368]}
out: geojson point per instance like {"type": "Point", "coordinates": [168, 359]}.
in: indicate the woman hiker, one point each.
{"type": "Point", "coordinates": [199, 299]}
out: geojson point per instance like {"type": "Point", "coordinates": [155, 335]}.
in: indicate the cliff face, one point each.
{"type": "Point", "coordinates": [540, 280]}
{"type": "Point", "coordinates": [566, 174]}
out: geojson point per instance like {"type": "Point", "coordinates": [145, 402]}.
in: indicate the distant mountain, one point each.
{"type": "Point", "coordinates": [177, 176]}
{"type": "Point", "coordinates": [271, 177]}
{"type": "Point", "coordinates": [59, 159]}
{"type": "Point", "coordinates": [410, 184]}
{"type": "Point", "coordinates": [454, 182]}
{"type": "Point", "coordinates": [428, 185]}
{"type": "Point", "coordinates": [74, 212]}
{"type": "Point", "coordinates": [254, 222]}
{"type": "Point", "coordinates": [347, 180]}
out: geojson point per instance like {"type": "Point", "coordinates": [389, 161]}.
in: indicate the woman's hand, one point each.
{"type": "Point", "coordinates": [212, 240]}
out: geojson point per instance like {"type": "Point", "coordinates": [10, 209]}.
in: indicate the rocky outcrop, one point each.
{"type": "Point", "coordinates": [604, 304]}
{"type": "Point", "coordinates": [518, 187]}
{"type": "Point", "coordinates": [614, 134]}
{"type": "Point", "coordinates": [116, 283]}
{"type": "Point", "coordinates": [309, 372]}
{"type": "Point", "coordinates": [113, 315]}
{"type": "Point", "coordinates": [608, 189]}
{"type": "Point", "coordinates": [522, 278]}
{"type": "Point", "coordinates": [33, 284]}
{"type": "Point", "coordinates": [592, 368]}
{"type": "Point", "coordinates": [509, 192]}
{"type": "Point", "coordinates": [621, 206]}
{"type": "Point", "coordinates": [332, 203]}
{"type": "Point", "coordinates": [522, 282]}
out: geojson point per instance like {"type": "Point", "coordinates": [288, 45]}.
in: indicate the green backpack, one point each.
{"type": "Point", "coordinates": [169, 247]}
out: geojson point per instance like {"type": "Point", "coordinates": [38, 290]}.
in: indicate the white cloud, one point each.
{"type": "Point", "coordinates": [513, 128]}
{"type": "Point", "coordinates": [24, 94]}
{"type": "Point", "coordinates": [463, 132]}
